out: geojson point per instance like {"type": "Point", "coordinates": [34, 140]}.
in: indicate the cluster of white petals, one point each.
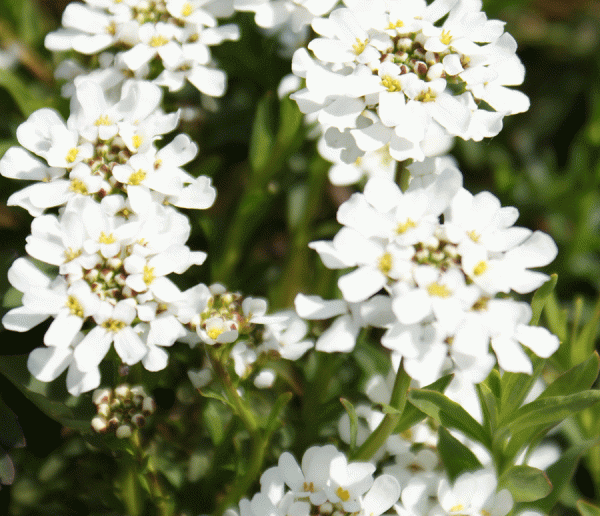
{"type": "Point", "coordinates": [105, 151]}
{"type": "Point", "coordinates": [407, 76]}
{"type": "Point", "coordinates": [441, 256]}
{"type": "Point", "coordinates": [175, 34]}
{"type": "Point", "coordinates": [325, 483]}
{"type": "Point", "coordinates": [111, 288]}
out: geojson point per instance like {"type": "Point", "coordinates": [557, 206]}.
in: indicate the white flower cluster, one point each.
{"type": "Point", "coordinates": [115, 238]}
{"type": "Point", "coordinates": [408, 76]}
{"type": "Point", "coordinates": [105, 151]}
{"type": "Point", "coordinates": [441, 278]}
{"type": "Point", "coordinates": [325, 484]}
{"type": "Point", "coordinates": [175, 34]}
{"type": "Point", "coordinates": [122, 409]}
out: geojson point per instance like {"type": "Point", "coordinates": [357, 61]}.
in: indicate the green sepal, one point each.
{"type": "Point", "coordinates": [353, 422]}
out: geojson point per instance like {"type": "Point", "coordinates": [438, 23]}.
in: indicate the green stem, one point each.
{"type": "Point", "coordinates": [378, 438]}
{"type": "Point", "coordinates": [259, 440]}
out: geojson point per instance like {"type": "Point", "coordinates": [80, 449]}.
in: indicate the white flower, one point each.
{"type": "Point", "coordinates": [393, 76]}
{"type": "Point", "coordinates": [175, 33]}
{"type": "Point", "coordinates": [473, 493]}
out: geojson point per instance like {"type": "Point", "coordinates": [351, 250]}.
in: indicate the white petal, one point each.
{"type": "Point", "coordinates": [46, 364]}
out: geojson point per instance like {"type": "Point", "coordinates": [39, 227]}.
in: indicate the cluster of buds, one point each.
{"type": "Point", "coordinates": [227, 315]}
{"type": "Point", "coordinates": [122, 409]}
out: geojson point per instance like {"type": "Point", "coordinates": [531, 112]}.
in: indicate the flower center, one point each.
{"type": "Point", "coordinates": [137, 177]}
{"type": "Point", "coordinates": [149, 275]}
{"type": "Point", "coordinates": [343, 494]}
{"type": "Point", "coordinates": [437, 290]}
{"type": "Point", "coordinates": [74, 306]}
{"type": "Point", "coordinates": [359, 46]}
{"type": "Point", "coordinates": [480, 268]}
{"type": "Point", "coordinates": [385, 263]}
{"type": "Point", "coordinates": [113, 325]}
{"type": "Point", "coordinates": [403, 227]}
{"type": "Point", "coordinates": [72, 155]}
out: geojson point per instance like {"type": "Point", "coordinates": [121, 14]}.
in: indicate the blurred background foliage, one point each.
{"type": "Point", "coordinates": [274, 198]}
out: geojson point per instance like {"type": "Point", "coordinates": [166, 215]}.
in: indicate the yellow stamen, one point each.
{"type": "Point", "coordinates": [158, 41]}
{"type": "Point", "coordinates": [74, 307]}
{"type": "Point", "coordinates": [309, 487]}
{"type": "Point", "coordinates": [137, 177]}
{"type": "Point", "coordinates": [148, 275]}
{"type": "Point", "coordinates": [343, 494]}
{"type": "Point", "coordinates": [103, 120]}
{"type": "Point", "coordinates": [70, 254]}
{"type": "Point", "coordinates": [78, 186]}
{"type": "Point", "coordinates": [213, 333]}
{"type": "Point", "coordinates": [480, 268]}
{"type": "Point", "coordinates": [385, 263]}
{"type": "Point", "coordinates": [358, 161]}
{"type": "Point", "coordinates": [71, 155]}
{"type": "Point", "coordinates": [113, 325]}
{"type": "Point", "coordinates": [111, 28]}
{"type": "Point", "coordinates": [359, 46]}
{"type": "Point", "coordinates": [137, 141]}
{"type": "Point", "coordinates": [391, 84]}
{"type": "Point", "coordinates": [106, 239]}
{"type": "Point", "coordinates": [435, 289]}
{"type": "Point", "coordinates": [473, 235]}
{"type": "Point", "coordinates": [157, 164]}
{"type": "Point", "coordinates": [426, 96]}
{"type": "Point", "coordinates": [187, 9]}
{"type": "Point", "coordinates": [396, 25]}
{"type": "Point", "coordinates": [485, 513]}
{"type": "Point", "coordinates": [403, 227]}
{"type": "Point", "coordinates": [446, 37]}
{"type": "Point", "coordinates": [456, 508]}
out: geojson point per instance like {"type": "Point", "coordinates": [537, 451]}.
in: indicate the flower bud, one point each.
{"type": "Point", "coordinates": [99, 424]}
{"type": "Point", "coordinates": [123, 432]}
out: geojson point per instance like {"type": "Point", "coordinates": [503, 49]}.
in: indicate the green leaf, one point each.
{"type": "Point", "coordinates": [215, 396]}
{"type": "Point", "coordinates": [560, 474]}
{"type": "Point", "coordinates": [457, 458]}
{"type": "Point", "coordinates": [7, 469]}
{"type": "Point", "coordinates": [576, 379]}
{"type": "Point", "coordinates": [412, 415]}
{"type": "Point", "coordinates": [51, 398]}
{"type": "Point", "coordinates": [587, 509]}
{"type": "Point", "coordinates": [353, 422]}
{"type": "Point", "coordinates": [526, 484]}
{"type": "Point", "coordinates": [26, 100]}
{"type": "Point", "coordinates": [11, 435]}
{"type": "Point", "coordinates": [449, 414]}
{"type": "Point", "coordinates": [213, 422]}
{"type": "Point", "coordinates": [548, 411]}
{"type": "Point", "coordinates": [515, 387]}
{"type": "Point", "coordinates": [262, 138]}
{"type": "Point", "coordinates": [540, 297]}
{"type": "Point", "coordinates": [273, 420]}
{"type": "Point", "coordinates": [489, 406]}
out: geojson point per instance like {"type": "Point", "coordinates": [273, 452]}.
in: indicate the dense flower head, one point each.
{"type": "Point", "coordinates": [105, 151]}
{"type": "Point", "coordinates": [111, 287]}
{"type": "Point", "coordinates": [173, 36]}
{"type": "Point", "coordinates": [324, 483]}
{"type": "Point", "coordinates": [121, 410]}
{"type": "Point", "coordinates": [402, 73]}
{"type": "Point", "coordinates": [441, 256]}
{"type": "Point", "coordinates": [219, 317]}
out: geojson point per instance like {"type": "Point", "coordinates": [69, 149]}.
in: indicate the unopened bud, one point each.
{"type": "Point", "coordinates": [99, 424]}
{"type": "Point", "coordinates": [123, 391]}
{"type": "Point", "coordinates": [101, 396]}
{"type": "Point", "coordinates": [123, 432]}
{"type": "Point", "coordinates": [326, 508]}
{"type": "Point", "coordinates": [104, 410]}
{"type": "Point", "coordinates": [114, 263]}
{"type": "Point", "coordinates": [421, 68]}
{"type": "Point", "coordinates": [404, 44]}
{"type": "Point", "coordinates": [138, 420]}
{"type": "Point", "coordinates": [435, 71]}
{"type": "Point", "coordinates": [149, 406]}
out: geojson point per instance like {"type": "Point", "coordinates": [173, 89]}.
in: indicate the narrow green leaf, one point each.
{"type": "Point", "coordinates": [551, 410]}
{"type": "Point", "coordinates": [7, 469]}
{"type": "Point", "coordinates": [526, 484]}
{"type": "Point", "coordinates": [51, 398]}
{"type": "Point", "coordinates": [21, 93]}
{"type": "Point", "coordinates": [576, 379]}
{"type": "Point", "coordinates": [215, 396]}
{"type": "Point", "coordinates": [214, 423]}
{"type": "Point", "coordinates": [457, 458]}
{"type": "Point", "coordinates": [353, 422]}
{"type": "Point", "coordinates": [515, 387]}
{"type": "Point", "coordinates": [489, 407]}
{"type": "Point", "coordinates": [412, 415]}
{"type": "Point", "coordinates": [273, 419]}
{"type": "Point", "coordinates": [11, 435]}
{"type": "Point", "coordinates": [290, 120]}
{"type": "Point", "coordinates": [587, 509]}
{"type": "Point", "coordinates": [556, 318]}
{"type": "Point", "coordinates": [262, 138]}
{"type": "Point", "coordinates": [448, 413]}
{"type": "Point", "coordinates": [540, 297]}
